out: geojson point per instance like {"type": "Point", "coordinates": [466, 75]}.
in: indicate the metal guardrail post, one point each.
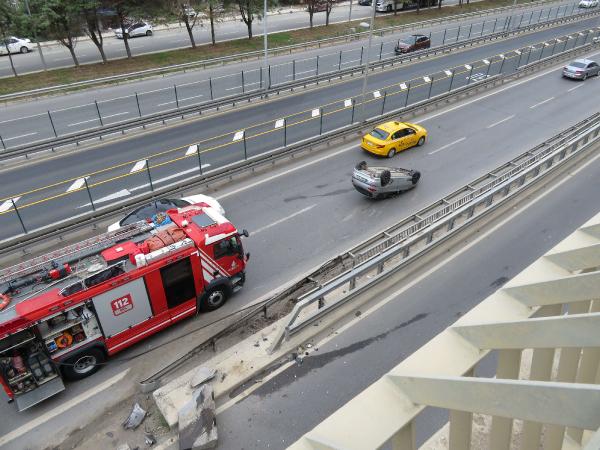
{"type": "Point", "coordinates": [98, 111]}
{"type": "Point", "coordinates": [149, 175]}
{"type": "Point", "coordinates": [176, 96]}
{"type": "Point", "coordinates": [12, 200]}
{"type": "Point", "coordinates": [243, 83]}
{"type": "Point", "coordinates": [383, 103]}
{"type": "Point", "coordinates": [137, 101]}
{"type": "Point", "coordinates": [87, 188]}
{"type": "Point", "coordinates": [199, 158]}
{"type": "Point", "coordinates": [52, 123]}
{"type": "Point", "coordinates": [211, 87]}
{"type": "Point", "coordinates": [2, 142]}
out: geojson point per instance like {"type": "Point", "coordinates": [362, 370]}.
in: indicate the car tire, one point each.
{"type": "Point", "coordinates": [385, 177]}
{"type": "Point", "coordinates": [149, 33]}
{"type": "Point", "coordinates": [391, 153]}
{"type": "Point", "coordinates": [584, 77]}
{"type": "Point", "coordinates": [24, 49]}
{"type": "Point", "coordinates": [361, 165]}
{"type": "Point", "coordinates": [416, 176]}
{"type": "Point", "coordinates": [215, 297]}
{"type": "Point", "coordinates": [421, 141]}
{"type": "Point", "coordinates": [83, 364]}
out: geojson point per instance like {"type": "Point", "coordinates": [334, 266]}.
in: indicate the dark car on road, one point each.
{"type": "Point", "coordinates": [364, 2]}
{"type": "Point", "coordinates": [412, 43]}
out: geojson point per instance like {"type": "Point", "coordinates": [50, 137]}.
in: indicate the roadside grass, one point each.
{"type": "Point", "coordinates": [138, 63]}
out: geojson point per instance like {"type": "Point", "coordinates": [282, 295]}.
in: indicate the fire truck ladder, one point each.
{"type": "Point", "coordinates": [75, 251]}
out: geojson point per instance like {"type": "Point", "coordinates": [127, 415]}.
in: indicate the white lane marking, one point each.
{"type": "Point", "coordinates": [444, 147]}
{"type": "Point", "coordinates": [167, 178]}
{"type": "Point", "coordinates": [232, 88]}
{"type": "Point", "coordinates": [77, 184]}
{"type": "Point", "coordinates": [506, 119]}
{"type": "Point", "coordinates": [62, 59]}
{"type": "Point", "coordinates": [8, 204]}
{"type": "Point", "coordinates": [576, 87]}
{"type": "Point", "coordinates": [61, 409]}
{"type": "Point", "coordinates": [21, 136]}
{"type": "Point", "coordinates": [114, 115]}
{"type": "Point", "coordinates": [352, 147]}
{"type": "Point", "coordinates": [193, 96]}
{"type": "Point", "coordinates": [541, 103]}
{"type": "Point", "coordinates": [165, 103]}
{"type": "Point", "coordinates": [138, 166]}
{"type": "Point", "coordinates": [277, 222]}
{"type": "Point", "coordinates": [83, 121]}
{"type": "Point", "coordinates": [410, 284]}
{"type": "Point", "coordinates": [108, 198]}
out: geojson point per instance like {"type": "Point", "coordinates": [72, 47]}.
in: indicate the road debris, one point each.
{"type": "Point", "coordinates": [197, 423]}
{"type": "Point", "coordinates": [135, 418]}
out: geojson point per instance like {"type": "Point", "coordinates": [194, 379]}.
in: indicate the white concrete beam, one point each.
{"type": "Point", "coordinates": [580, 330]}
{"type": "Point", "coordinates": [568, 404]}
{"type": "Point", "coordinates": [578, 258]}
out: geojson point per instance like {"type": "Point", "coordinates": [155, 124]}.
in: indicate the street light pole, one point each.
{"type": "Point", "coordinates": [39, 47]}
{"type": "Point", "coordinates": [350, 12]}
{"type": "Point", "coordinates": [366, 67]}
{"type": "Point", "coordinates": [265, 38]}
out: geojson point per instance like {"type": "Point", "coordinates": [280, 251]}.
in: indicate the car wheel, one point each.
{"type": "Point", "coordinates": [391, 153]}
{"type": "Point", "coordinates": [83, 364]}
{"type": "Point", "coordinates": [416, 176]}
{"type": "Point", "coordinates": [24, 49]}
{"type": "Point", "coordinates": [421, 141]}
{"type": "Point", "coordinates": [361, 165]}
{"type": "Point", "coordinates": [149, 33]}
{"type": "Point", "coordinates": [584, 77]}
{"type": "Point", "coordinates": [385, 178]}
{"type": "Point", "coordinates": [389, 8]}
{"type": "Point", "coordinates": [215, 298]}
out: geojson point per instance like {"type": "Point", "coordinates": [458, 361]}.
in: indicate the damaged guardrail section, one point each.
{"type": "Point", "coordinates": [428, 231]}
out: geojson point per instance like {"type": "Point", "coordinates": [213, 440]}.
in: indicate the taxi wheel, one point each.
{"type": "Point", "coordinates": [421, 141]}
{"type": "Point", "coordinates": [391, 153]}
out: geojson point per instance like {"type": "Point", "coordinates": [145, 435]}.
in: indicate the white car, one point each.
{"type": "Point", "coordinates": [588, 3]}
{"type": "Point", "coordinates": [136, 29]}
{"type": "Point", "coordinates": [147, 211]}
{"type": "Point", "coordinates": [16, 45]}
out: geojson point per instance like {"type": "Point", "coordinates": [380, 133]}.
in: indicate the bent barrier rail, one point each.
{"type": "Point", "coordinates": [440, 221]}
{"type": "Point", "coordinates": [288, 49]}
{"type": "Point", "coordinates": [80, 221]}
{"type": "Point", "coordinates": [73, 139]}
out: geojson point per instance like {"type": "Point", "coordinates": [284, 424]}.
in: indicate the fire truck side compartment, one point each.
{"type": "Point", "coordinates": [123, 307]}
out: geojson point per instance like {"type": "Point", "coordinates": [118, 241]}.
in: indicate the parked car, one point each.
{"type": "Point", "coordinates": [402, 5]}
{"type": "Point", "coordinates": [190, 12]}
{"type": "Point", "coordinates": [136, 29]}
{"type": "Point", "coordinates": [588, 3]}
{"type": "Point", "coordinates": [16, 45]}
{"type": "Point", "coordinates": [365, 2]}
{"type": "Point", "coordinates": [381, 182]}
{"type": "Point", "coordinates": [147, 211]}
{"type": "Point", "coordinates": [390, 138]}
{"type": "Point", "coordinates": [412, 43]}
{"type": "Point", "coordinates": [580, 69]}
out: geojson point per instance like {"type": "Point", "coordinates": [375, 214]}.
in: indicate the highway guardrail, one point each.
{"type": "Point", "coordinates": [65, 227]}
{"type": "Point", "coordinates": [288, 49]}
{"type": "Point", "coordinates": [185, 111]}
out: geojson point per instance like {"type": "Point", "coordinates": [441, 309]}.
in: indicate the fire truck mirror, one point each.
{"type": "Point", "coordinates": [245, 233]}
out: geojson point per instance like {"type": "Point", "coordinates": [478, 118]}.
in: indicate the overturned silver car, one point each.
{"type": "Point", "coordinates": [381, 182]}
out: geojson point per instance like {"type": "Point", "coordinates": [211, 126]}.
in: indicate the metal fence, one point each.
{"type": "Point", "coordinates": [21, 131]}
{"type": "Point", "coordinates": [76, 196]}
{"type": "Point", "coordinates": [274, 51]}
{"type": "Point", "coordinates": [434, 228]}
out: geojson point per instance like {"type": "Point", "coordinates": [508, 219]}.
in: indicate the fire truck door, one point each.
{"type": "Point", "coordinates": [123, 307]}
{"type": "Point", "coordinates": [227, 254]}
{"type": "Point", "coordinates": [180, 289]}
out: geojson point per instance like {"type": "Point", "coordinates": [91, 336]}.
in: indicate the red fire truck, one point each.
{"type": "Point", "coordinates": [67, 311]}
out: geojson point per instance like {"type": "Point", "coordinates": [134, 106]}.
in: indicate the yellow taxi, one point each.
{"type": "Point", "coordinates": [390, 138]}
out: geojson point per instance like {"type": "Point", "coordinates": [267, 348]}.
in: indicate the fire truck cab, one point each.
{"type": "Point", "coordinates": [71, 309]}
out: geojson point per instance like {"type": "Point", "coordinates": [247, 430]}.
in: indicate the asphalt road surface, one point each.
{"type": "Point", "coordinates": [123, 159]}
{"type": "Point", "coordinates": [29, 122]}
{"type": "Point", "coordinates": [295, 400]}
{"type": "Point", "coordinates": [58, 56]}
{"type": "Point", "coordinates": [303, 215]}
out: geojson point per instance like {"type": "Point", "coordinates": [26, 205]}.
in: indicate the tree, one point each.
{"type": "Point", "coordinates": [62, 21]}
{"type": "Point", "coordinates": [311, 7]}
{"type": "Point", "coordinates": [328, 8]}
{"type": "Point", "coordinates": [213, 9]}
{"type": "Point", "coordinates": [6, 23]}
{"type": "Point", "coordinates": [250, 10]}
{"type": "Point", "coordinates": [92, 26]}
{"type": "Point", "coordinates": [440, 4]}
{"type": "Point", "coordinates": [187, 14]}
{"type": "Point", "coordinates": [127, 9]}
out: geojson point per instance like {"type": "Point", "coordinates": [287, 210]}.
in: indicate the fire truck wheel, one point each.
{"type": "Point", "coordinates": [83, 364]}
{"type": "Point", "coordinates": [215, 297]}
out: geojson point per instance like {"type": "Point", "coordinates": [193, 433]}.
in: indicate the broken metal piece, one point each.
{"type": "Point", "coordinates": [135, 418]}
